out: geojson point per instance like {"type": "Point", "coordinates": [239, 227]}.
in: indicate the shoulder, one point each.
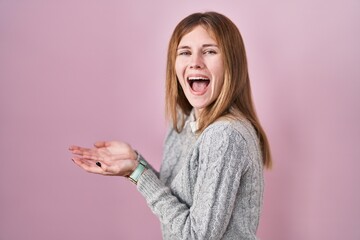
{"type": "Point", "coordinates": [231, 138]}
{"type": "Point", "coordinates": [229, 143]}
{"type": "Point", "coordinates": [231, 129]}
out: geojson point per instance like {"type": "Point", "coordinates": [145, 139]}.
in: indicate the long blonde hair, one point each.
{"type": "Point", "coordinates": [235, 92]}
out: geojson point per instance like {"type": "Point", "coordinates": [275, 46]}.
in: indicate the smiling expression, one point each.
{"type": "Point", "coordinates": [199, 68]}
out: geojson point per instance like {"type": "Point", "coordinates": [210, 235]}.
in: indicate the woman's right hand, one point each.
{"type": "Point", "coordinates": [115, 158]}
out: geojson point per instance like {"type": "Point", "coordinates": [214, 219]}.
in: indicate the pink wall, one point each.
{"type": "Point", "coordinates": [74, 72]}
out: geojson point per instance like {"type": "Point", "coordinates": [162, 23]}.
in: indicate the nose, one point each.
{"type": "Point", "coordinates": [196, 61]}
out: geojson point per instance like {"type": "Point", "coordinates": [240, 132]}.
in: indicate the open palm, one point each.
{"type": "Point", "coordinates": [115, 158]}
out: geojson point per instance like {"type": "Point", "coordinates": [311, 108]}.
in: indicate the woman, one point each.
{"type": "Point", "coordinates": [210, 185]}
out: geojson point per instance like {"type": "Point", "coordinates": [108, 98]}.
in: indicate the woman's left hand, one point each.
{"type": "Point", "coordinates": [106, 158]}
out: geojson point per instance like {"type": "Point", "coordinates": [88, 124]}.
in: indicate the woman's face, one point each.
{"type": "Point", "coordinates": [199, 68]}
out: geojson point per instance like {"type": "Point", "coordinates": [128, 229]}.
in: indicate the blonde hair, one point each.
{"type": "Point", "coordinates": [235, 95]}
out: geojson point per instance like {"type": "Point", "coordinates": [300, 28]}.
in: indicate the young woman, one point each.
{"type": "Point", "coordinates": [210, 185]}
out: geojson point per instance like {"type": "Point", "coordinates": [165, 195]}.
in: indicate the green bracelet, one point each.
{"type": "Point", "coordinates": [139, 170]}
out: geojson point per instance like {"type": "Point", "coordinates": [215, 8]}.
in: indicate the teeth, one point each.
{"type": "Point", "coordinates": [197, 78]}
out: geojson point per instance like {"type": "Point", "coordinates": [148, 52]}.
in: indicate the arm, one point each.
{"type": "Point", "coordinates": [221, 162]}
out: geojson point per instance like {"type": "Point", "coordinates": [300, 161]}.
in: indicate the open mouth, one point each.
{"type": "Point", "coordinates": [198, 84]}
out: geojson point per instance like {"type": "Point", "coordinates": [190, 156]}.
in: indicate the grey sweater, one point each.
{"type": "Point", "coordinates": [210, 185]}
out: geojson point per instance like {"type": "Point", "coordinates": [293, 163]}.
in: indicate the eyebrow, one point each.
{"type": "Point", "coordinates": [204, 45]}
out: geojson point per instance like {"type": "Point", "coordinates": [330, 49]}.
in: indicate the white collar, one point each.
{"type": "Point", "coordinates": [194, 126]}
{"type": "Point", "coordinates": [192, 121]}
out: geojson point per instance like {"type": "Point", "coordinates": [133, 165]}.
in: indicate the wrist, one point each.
{"type": "Point", "coordinates": [140, 167]}
{"type": "Point", "coordinates": [134, 165]}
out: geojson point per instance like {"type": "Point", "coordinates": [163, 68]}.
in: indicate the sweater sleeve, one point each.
{"type": "Point", "coordinates": [150, 166]}
{"type": "Point", "coordinates": [222, 159]}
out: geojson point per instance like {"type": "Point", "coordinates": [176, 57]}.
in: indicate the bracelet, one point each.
{"type": "Point", "coordinates": [139, 170]}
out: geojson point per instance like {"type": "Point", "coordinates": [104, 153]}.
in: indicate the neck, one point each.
{"type": "Point", "coordinates": [197, 113]}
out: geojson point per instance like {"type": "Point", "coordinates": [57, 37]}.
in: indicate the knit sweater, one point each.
{"type": "Point", "coordinates": [210, 186]}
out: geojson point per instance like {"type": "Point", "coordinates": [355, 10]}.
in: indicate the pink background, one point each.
{"type": "Point", "coordinates": [73, 72]}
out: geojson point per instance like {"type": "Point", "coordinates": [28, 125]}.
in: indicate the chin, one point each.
{"type": "Point", "coordinates": [198, 105]}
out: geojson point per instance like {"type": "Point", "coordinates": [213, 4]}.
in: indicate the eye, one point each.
{"type": "Point", "coordinates": [210, 52]}
{"type": "Point", "coordinates": [184, 53]}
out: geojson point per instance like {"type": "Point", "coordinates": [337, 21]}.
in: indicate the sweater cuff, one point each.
{"type": "Point", "coordinates": [148, 184]}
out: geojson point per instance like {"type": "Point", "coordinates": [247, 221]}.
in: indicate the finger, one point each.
{"type": "Point", "coordinates": [93, 157]}
{"type": "Point", "coordinates": [89, 166]}
{"type": "Point", "coordinates": [80, 152]}
{"type": "Point", "coordinates": [74, 147]}
{"type": "Point", "coordinates": [103, 158]}
{"type": "Point", "coordinates": [87, 151]}
{"type": "Point", "coordinates": [98, 168]}
{"type": "Point", "coordinates": [101, 144]}
{"type": "Point", "coordinates": [81, 161]}
{"type": "Point", "coordinates": [77, 148]}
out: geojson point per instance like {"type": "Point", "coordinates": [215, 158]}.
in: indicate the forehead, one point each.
{"type": "Point", "coordinates": [198, 34]}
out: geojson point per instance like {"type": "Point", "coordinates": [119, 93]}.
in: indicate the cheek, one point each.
{"type": "Point", "coordinates": [219, 68]}
{"type": "Point", "coordinates": [217, 88]}
{"type": "Point", "coordinates": [180, 65]}
{"type": "Point", "coordinates": [177, 65]}
{"type": "Point", "coordinates": [218, 84]}
{"type": "Point", "coordinates": [178, 77]}
{"type": "Point", "coordinates": [178, 74]}
{"type": "Point", "coordinates": [180, 82]}
{"type": "Point", "coordinates": [219, 75]}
